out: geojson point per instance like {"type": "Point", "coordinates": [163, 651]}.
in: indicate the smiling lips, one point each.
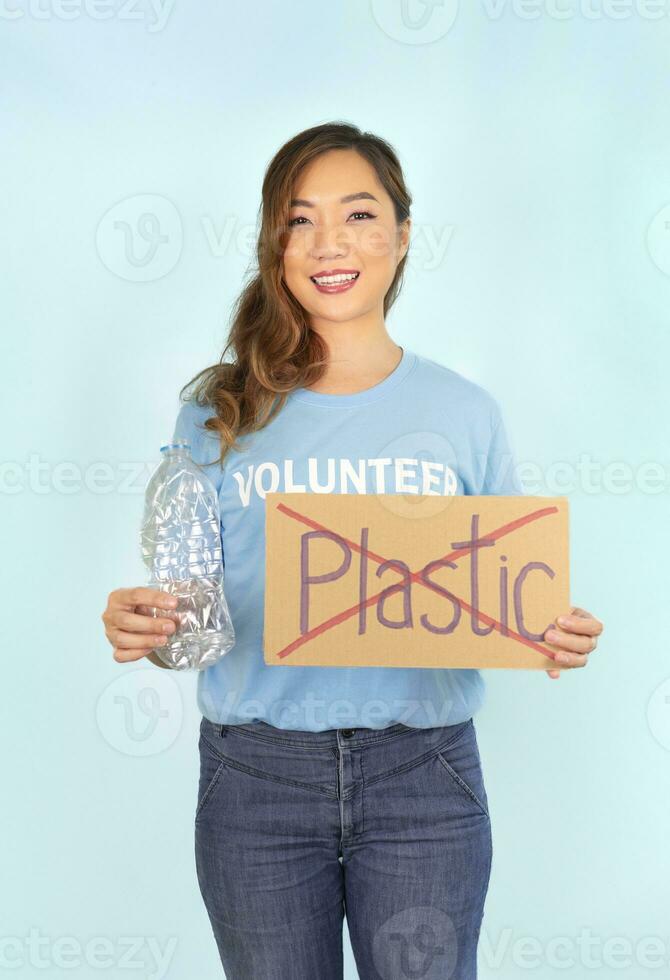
{"type": "Point", "coordinates": [335, 280]}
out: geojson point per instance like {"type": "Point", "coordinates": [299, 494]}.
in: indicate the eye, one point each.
{"type": "Point", "coordinates": [356, 214]}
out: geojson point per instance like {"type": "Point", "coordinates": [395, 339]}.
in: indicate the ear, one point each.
{"type": "Point", "coordinates": [405, 233]}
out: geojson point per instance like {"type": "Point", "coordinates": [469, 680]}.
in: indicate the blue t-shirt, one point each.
{"type": "Point", "coordinates": [423, 429]}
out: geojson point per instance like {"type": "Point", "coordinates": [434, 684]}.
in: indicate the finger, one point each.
{"type": "Point", "coordinates": [569, 659]}
{"type": "Point", "coordinates": [579, 621]}
{"type": "Point", "coordinates": [587, 625]}
{"type": "Point", "coordinates": [124, 656]}
{"type": "Point", "coordinates": [553, 674]}
{"type": "Point", "coordinates": [124, 641]}
{"type": "Point", "coordinates": [142, 622]}
{"type": "Point", "coordinates": [572, 659]}
{"type": "Point", "coordinates": [570, 641]}
{"type": "Point", "coordinates": [143, 595]}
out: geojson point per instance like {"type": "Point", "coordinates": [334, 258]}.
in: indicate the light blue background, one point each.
{"type": "Point", "coordinates": [538, 148]}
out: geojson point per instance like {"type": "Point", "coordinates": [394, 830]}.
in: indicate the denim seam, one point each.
{"type": "Point", "coordinates": [416, 761]}
{"type": "Point", "coordinates": [488, 879]}
{"type": "Point", "coordinates": [340, 795]}
{"type": "Point", "coordinates": [360, 762]}
{"type": "Point", "coordinates": [276, 739]}
{"type": "Point", "coordinates": [462, 783]}
{"type": "Point", "coordinates": [232, 764]}
{"type": "Point", "coordinates": [303, 743]}
{"type": "Point", "coordinates": [210, 789]}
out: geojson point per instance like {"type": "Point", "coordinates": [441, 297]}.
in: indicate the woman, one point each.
{"type": "Point", "coordinates": [326, 790]}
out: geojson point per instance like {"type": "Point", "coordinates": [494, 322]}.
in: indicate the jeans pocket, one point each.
{"type": "Point", "coordinates": [211, 770]}
{"type": "Point", "coordinates": [460, 759]}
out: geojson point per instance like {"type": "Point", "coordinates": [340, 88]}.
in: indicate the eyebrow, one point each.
{"type": "Point", "coordinates": [359, 196]}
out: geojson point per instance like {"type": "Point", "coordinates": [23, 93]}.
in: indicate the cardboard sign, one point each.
{"type": "Point", "coordinates": [388, 580]}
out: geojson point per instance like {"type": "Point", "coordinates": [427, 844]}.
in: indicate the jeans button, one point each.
{"type": "Point", "coordinates": [348, 732]}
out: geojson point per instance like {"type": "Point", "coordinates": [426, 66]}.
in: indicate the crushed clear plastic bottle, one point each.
{"type": "Point", "coordinates": [181, 547]}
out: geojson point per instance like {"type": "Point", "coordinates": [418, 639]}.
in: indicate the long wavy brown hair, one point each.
{"type": "Point", "coordinates": [274, 349]}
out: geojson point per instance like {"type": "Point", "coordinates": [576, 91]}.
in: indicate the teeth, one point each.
{"type": "Point", "coordinates": [330, 280]}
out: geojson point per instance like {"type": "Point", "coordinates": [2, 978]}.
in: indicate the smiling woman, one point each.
{"type": "Point", "coordinates": [332, 789]}
{"type": "Point", "coordinates": [330, 280]}
{"type": "Point", "coordinates": [291, 319]}
{"type": "Point", "coordinates": [326, 227]}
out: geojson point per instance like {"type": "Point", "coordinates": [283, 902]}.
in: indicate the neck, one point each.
{"type": "Point", "coordinates": [360, 355]}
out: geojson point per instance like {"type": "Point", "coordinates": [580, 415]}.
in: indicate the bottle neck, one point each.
{"type": "Point", "coordinates": [181, 454]}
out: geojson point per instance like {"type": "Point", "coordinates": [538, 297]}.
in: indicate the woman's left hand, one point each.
{"type": "Point", "coordinates": [575, 633]}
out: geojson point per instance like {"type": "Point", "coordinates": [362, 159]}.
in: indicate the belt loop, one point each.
{"type": "Point", "coordinates": [222, 731]}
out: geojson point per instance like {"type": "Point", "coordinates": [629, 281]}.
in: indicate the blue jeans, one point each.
{"type": "Point", "coordinates": [295, 829]}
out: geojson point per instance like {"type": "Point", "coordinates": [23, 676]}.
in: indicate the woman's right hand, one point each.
{"type": "Point", "coordinates": [132, 628]}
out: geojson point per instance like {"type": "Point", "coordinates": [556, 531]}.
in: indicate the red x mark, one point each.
{"type": "Point", "coordinates": [415, 577]}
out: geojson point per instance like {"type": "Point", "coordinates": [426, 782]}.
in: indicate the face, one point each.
{"type": "Point", "coordinates": [342, 224]}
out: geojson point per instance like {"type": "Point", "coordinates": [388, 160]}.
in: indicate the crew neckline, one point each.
{"type": "Point", "coordinates": [382, 388]}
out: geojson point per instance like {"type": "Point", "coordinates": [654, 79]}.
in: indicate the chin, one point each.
{"type": "Point", "coordinates": [339, 315]}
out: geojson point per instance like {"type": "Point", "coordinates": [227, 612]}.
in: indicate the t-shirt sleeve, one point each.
{"type": "Point", "coordinates": [185, 427]}
{"type": "Point", "coordinates": [190, 425]}
{"type": "Point", "coordinates": [500, 477]}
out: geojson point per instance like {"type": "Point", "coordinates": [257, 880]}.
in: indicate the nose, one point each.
{"type": "Point", "coordinates": [329, 243]}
